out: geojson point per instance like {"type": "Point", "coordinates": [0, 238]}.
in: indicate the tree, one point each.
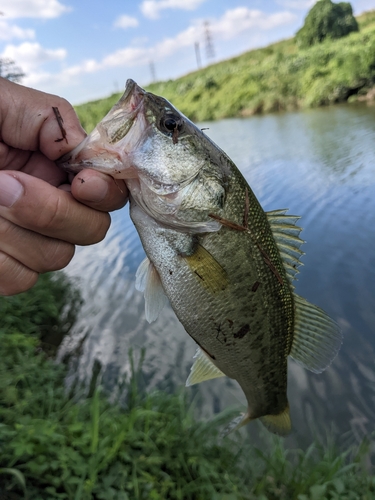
{"type": "Point", "coordinates": [10, 71]}
{"type": "Point", "coordinates": [327, 20]}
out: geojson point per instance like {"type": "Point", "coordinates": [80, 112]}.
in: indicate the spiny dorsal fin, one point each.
{"type": "Point", "coordinates": [209, 272]}
{"type": "Point", "coordinates": [147, 280]}
{"type": "Point", "coordinates": [202, 369]}
{"type": "Point", "coordinates": [286, 235]}
{"type": "Point", "coordinates": [317, 338]}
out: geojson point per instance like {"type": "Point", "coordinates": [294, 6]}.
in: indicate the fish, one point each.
{"type": "Point", "coordinates": [225, 265]}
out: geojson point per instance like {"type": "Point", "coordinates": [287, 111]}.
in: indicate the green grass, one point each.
{"type": "Point", "coordinates": [278, 77]}
{"type": "Point", "coordinates": [54, 445]}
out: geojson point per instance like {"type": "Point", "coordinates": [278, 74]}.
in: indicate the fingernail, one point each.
{"type": "Point", "coordinates": [93, 189]}
{"type": "Point", "coordinates": [10, 190]}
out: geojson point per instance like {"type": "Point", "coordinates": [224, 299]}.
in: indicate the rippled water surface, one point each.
{"type": "Point", "coordinates": [321, 165]}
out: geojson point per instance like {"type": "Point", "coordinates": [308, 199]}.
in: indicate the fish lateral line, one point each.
{"type": "Point", "coordinates": [247, 209]}
{"type": "Point", "coordinates": [267, 260]}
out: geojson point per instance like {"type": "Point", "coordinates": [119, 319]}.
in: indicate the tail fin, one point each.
{"type": "Point", "coordinates": [277, 424]}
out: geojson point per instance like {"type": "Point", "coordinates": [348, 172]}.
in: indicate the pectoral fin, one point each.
{"type": "Point", "coordinates": [147, 280]}
{"type": "Point", "coordinates": [317, 338]}
{"type": "Point", "coordinates": [207, 270]}
{"type": "Point", "coordinates": [202, 369]}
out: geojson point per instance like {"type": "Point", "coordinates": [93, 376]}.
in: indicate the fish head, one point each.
{"type": "Point", "coordinates": [107, 147]}
{"type": "Point", "coordinates": [162, 156]}
{"type": "Point", "coordinates": [143, 136]}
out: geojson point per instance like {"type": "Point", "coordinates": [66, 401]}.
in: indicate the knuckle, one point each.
{"type": "Point", "coordinates": [100, 229]}
{"type": "Point", "coordinates": [14, 277]}
{"type": "Point", "coordinates": [6, 228]}
{"type": "Point", "coordinates": [53, 215]}
{"type": "Point", "coordinates": [57, 255]}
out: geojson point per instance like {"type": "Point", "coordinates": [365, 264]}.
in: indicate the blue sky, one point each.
{"type": "Point", "coordinates": [86, 49]}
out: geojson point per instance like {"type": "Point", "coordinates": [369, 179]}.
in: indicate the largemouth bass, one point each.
{"type": "Point", "coordinates": [225, 265]}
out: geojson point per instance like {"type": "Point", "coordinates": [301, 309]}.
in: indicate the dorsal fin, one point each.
{"type": "Point", "coordinates": [286, 235]}
{"type": "Point", "coordinates": [147, 280]}
{"type": "Point", "coordinates": [317, 338]}
{"type": "Point", "coordinates": [202, 369]}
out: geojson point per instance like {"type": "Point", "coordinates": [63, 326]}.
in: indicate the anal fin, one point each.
{"type": "Point", "coordinates": [202, 369]}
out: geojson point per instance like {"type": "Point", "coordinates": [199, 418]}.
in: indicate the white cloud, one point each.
{"type": "Point", "coordinates": [29, 56]}
{"type": "Point", "coordinates": [228, 26]}
{"type": "Point", "coordinates": [151, 8]}
{"type": "Point", "coordinates": [296, 4]}
{"type": "Point", "coordinates": [33, 8]}
{"type": "Point", "coordinates": [125, 22]}
{"type": "Point", "coordinates": [242, 19]}
{"type": "Point", "coordinates": [9, 31]}
{"type": "Point", "coordinates": [129, 56]}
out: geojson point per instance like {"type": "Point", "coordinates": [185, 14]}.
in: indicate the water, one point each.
{"type": "Point", "coordinates": [321, 165]}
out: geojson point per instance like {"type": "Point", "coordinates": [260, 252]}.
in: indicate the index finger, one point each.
{"type": "Point", "coordinates": [33, 120]}
{"type": "Point", "coordinates": [34, 204]}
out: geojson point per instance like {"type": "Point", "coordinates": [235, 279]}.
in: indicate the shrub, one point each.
{"type": "Point", "coordinates": [327, 20]}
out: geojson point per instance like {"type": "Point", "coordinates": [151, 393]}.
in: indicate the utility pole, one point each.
{"type": "Point", "coordinates": [152, 70]}
{"type": "Point", "coordinates": [210, 51]}
{"type": "Point", "coordinates": [198, 55]}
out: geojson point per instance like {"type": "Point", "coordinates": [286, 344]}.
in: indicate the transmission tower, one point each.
{"type": "Point", "coordinates": [210, 51]}
{"type": "Point", "coordinates": [198, 54]}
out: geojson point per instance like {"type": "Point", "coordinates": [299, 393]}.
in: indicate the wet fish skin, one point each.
{"type": "Point", "coordinates": [225, 265]}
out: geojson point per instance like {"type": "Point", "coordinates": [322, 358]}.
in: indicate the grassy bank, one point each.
{"type": "Point", "coordinates": [53, 446]}
{"type": "Point", "coordinates": [278, 77]}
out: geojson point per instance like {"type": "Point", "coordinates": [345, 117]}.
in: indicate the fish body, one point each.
{"type": "Point", "coordinates": [225, 265]}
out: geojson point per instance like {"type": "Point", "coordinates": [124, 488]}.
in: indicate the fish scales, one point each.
{"type": "Point", "coordinates": [213, 251]}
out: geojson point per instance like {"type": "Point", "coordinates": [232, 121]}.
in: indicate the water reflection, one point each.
{"type": "Point", "coordinates": [321, 165]}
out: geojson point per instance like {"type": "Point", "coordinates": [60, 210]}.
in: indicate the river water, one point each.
{"type": "Point", "coordinates": [321, 165]}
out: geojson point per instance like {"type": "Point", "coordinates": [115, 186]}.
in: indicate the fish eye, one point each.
{"type": "Point", "coordinates": [171, 123]}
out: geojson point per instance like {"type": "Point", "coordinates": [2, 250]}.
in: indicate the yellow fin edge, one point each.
{"type": "Point", "coordinates": [280, 424]}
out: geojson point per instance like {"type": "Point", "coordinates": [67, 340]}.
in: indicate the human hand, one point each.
{"type": "Point", "coordinates": [42, 215]}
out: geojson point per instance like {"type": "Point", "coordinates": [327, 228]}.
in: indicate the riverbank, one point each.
{"type": "Point", "coordinates": [54, 446]}
{"type": "Point", "coordinates": [275, 78]}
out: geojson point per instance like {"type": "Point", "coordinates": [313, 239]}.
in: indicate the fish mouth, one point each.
{"type": "Point", "coordinates": [133, 92]}
{"type": "Point", "coordinates": [107, 148]}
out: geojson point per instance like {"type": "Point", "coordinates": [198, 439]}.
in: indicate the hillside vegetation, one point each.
{"type": "Point", "coordinates": [55, 446]}
{"type": "Point", "coordinates": [281, 76]}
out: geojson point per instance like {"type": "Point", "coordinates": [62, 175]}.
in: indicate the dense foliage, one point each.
{"type": "Point", "coordinates": [327, 20]}
{"type": "Point", "coordinates": [55, 446]}
{"type": "Point", "coordinates": [279, 77]}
